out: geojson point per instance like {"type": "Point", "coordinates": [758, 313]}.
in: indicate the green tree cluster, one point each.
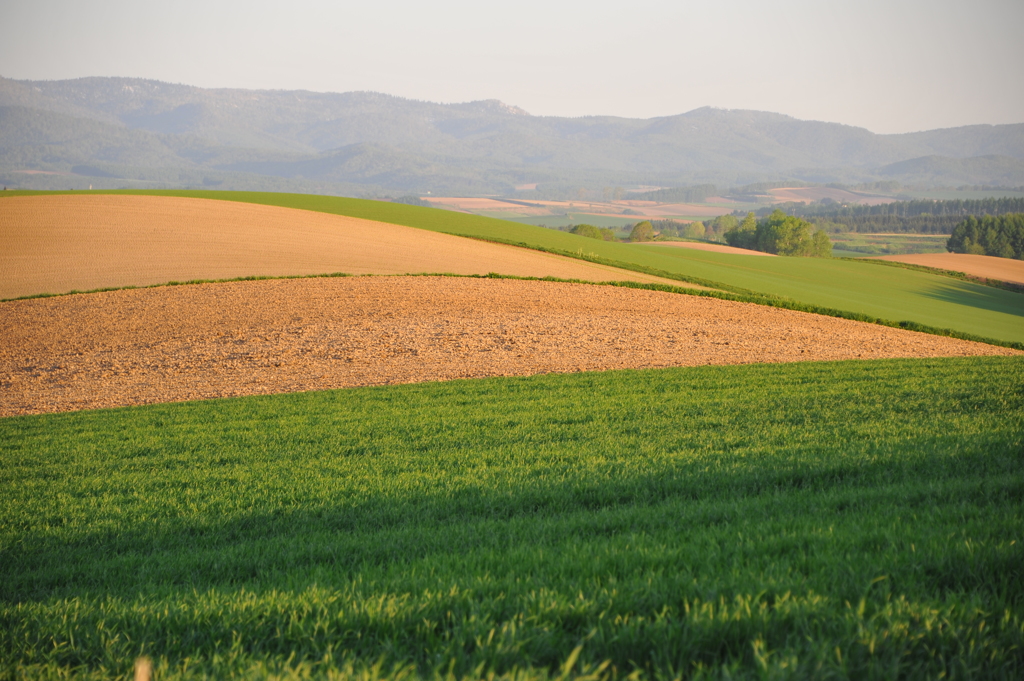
{"type": "Point", "coordinates": [686, 230]}
{"type": "Point", "coordinates": [780, 234]}
{"type": "Point", "coordinates": [716, 229]}
{"type": "Point", "coordinates": [413, 201]}
{"type": "Point", "coordinates": [920, 216]}
{"type": "Point", "coordinates": [592, 232]}
{"type": "Point", "coordinates": [1001, 236]}
{"type": "Point", "coordinates": [891, 224]}
{"type": "Point", "coordinates": [743, 234]}
{"type": "Point", "coordinates": [695, 194]}
{"type": "Point", "coordinates": [694, 230]}
{"type": "Point", "coordinates": [642, 231]}
{"type": "Point", "coordinates": [908, 209]}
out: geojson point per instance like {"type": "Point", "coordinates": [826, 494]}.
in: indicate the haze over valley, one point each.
{"type": "Point", "coordinates": [123, 132]}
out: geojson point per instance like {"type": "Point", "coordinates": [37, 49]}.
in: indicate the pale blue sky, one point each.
{"type": "Point", "coordinates": [889, 66]}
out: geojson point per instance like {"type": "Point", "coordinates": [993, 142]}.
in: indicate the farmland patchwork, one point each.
{"type": "Point", "coordinates": [588, 501]}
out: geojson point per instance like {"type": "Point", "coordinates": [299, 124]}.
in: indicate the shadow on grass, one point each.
{"type": "Point", "coordinates": [661, 518]}
{"type": "Point", "coordinates": [978, 296]}
{"type": "Point", "coordinates": [672, 507]}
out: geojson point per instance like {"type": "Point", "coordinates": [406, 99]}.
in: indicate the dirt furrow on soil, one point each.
{"type": "Point", "coordinates": [60, 243]}
{"type": "Point", "coordinates": [258, 337]}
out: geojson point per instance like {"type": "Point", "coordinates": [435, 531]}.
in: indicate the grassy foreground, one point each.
{"type": "Point", "coordinates": [863, 288]}
{"type": "Point", "coordinates": [820, 520]}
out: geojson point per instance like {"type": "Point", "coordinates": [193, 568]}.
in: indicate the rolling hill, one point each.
{"type": "Point", "coordinates": [854, 287]}
{"type": "Point", "coordinates": [59, 243]}
{"type": "Point", "coordinates": [850, 519]}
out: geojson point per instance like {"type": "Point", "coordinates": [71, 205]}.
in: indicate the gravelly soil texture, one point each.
{"type": "Point", "coordinates": [243, 338]}
{"type": "Point", "coordinates": [60, 243]}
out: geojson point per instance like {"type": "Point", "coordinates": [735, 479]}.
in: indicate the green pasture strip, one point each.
{"type": "Point", "coordinates": [552, 221]}
{"type": "Point", "coordinates": [854, 285]}
{"type": "Point", "coordinates": [851, 520]}
{"type": "Point", "coordinates": [839, 252]}
{"type": "Point", "coordinates": [995, 283]}
{"type": "Point", "coordinates": [926, 299]}
{"type": "Point", "coordinates": [864, 244]}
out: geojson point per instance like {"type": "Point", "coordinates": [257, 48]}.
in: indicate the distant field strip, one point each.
{"type": "Point", "coordinates": [240, 338]}
{"type": "Point", "coordinates": [892, 294]}
{"type": "Point", "coordinates": [885, 292]}
{"type": "Point", "coordinates": [59, 243]}
{"type": "Point", "coordinates": [841, 520]}
{"type": "Point", "coordinates": [896, 295]}
{"type": "Point", "coordinates": [985, 266]}
{"type": "Point", "coordinates": [714, 248]}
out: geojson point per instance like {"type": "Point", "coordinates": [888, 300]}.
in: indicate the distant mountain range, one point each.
{"type": "Point", "coordinates": [114, 132]}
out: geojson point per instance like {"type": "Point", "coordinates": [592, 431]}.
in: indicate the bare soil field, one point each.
{"type": "Point", "coordinates": [811, 194]}
{"type": "Point", "coordinates": [166, 344]}
{"type": "Point", "coordinates": [987, 266]}
{"type": "Point", "coordinates": [716, 248]}
{"type": "Point", "coordinates": [478, 205]}
{"type": "Point", "coordinates": [56, 244]}
{"type": "Point", "coordinates": [667, 210]}
{"type": "Point", "coordinates": [645, 209]}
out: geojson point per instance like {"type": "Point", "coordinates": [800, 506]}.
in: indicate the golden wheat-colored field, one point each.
{"type": "Point", "coordinates": [60, 243]}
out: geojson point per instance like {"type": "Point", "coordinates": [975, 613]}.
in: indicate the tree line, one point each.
{"type": "Point", "coordinates": [904, 209]}
{"type": "Point", "coordinates": [780, 234]}
{"type": "Point", "coordinates": [684, 230]}
{"type": "Point", "coordinates": [592, 232]}
{"type": "Point", "coordinates": [899, 217]}
{"type": "Point", "coordinates": [888, 224]}
{"type": "Point", "coordinates": [695, 194]}
{"type": "Point", "coordinates": [641, 231]}
{"type": "Point", "coordinates": [998, 235]}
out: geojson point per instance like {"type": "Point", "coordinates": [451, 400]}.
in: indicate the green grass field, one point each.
{"type": "Point", "coordinates": [887, 293]}
{"type": "Point", "coordinates": [866, 245]}
{"type": "Point", "coordinates": [555, 221]}
{"type": "Point", "coordinates": [848, 520]}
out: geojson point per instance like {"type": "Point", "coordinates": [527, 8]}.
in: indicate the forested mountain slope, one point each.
{"type": "Point", "coordinates": [378, 140]}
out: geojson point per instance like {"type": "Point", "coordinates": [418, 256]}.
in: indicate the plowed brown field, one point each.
{"type": "Point", "coordinates": [241, 338]}
{"type": "Point", "coordinates": [812, 194]}
{"type": "Point", "coordinates": [1000, 269]}
{"type": "Point", "coordinates": [55, 244]}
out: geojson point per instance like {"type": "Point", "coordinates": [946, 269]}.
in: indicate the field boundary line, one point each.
{"type": "Point", "coordinates": [723, 292]}
{"type": "Point", "coordinates": [618, 264]}
{"type": "Point", "coordinates": [131, 287]}
{"type": "Point", "coordinates": [754, 298]}
{"type": "Point", "coordinates": [962, 276]}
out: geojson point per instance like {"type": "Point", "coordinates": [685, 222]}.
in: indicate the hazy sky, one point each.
{"type": "Point", "coordinates": [889, 66]}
